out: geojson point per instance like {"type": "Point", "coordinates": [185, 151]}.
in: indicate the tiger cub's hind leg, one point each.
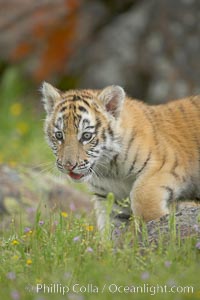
{"type": "Point", "coordinates": [152, 194]}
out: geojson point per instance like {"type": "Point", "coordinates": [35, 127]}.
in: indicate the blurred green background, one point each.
{"type": "Point", "coordinates": [151, 48]}
{"type": "Point", "coordinates": [21, 136]}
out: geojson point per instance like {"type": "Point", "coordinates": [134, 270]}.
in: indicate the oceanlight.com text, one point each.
{"type": "Point", "coordinates": [113, 288]}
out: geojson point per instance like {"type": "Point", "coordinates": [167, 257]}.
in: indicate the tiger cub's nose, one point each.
{"type": "Point", "coordinates": [70, 166]}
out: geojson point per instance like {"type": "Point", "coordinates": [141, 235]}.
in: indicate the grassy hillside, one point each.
{"type": "Point", "coordinates": [62, 257]}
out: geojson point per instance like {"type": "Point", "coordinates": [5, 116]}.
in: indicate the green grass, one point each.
{"type": "Point", "coordinates": [66, 253]}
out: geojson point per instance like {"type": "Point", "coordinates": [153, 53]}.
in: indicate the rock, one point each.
{"type": "Point", "coordinates": [152, 50]}
{"type": "Point", "coordinates": [24, 190]}
{"type": "Point", "coordinates": [178, 226]}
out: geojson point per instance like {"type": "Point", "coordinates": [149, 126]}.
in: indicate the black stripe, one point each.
{"type": "Point", "coordinates": [149, 113]}
{"type": "Point", "coordinates": [90, 127]}
{"type": "Point", "coordinates": [122, 216]}
{"type": "Point", "coordinates": [95, 151]}
{"type": "Point", "coordinates": [111, 151]}
{"type": "Point", "coordinates": [163, 162]}
{"type": "Point", "coordinates": [85, 121]}
{"type": "Point", "coordinates": [175, 165]}
{"type": "Point", "coordinates": [76, 98]}
{"type": "Point", "coordinates": [95, 143]}
{"type": "Point", "coordinates": [86, 103]}
{"type": "Point", "coordinates": [170, 191]}
{"type": "Point", "coordinates": [110, 131]}
{"type": "Point", "coordinates": [63, 108]}
{"type": "Point", "coordinates": [69, 97]}
{"type": "Point", "coordinates": [100, 195]}
{"type": "Point", "coordinates": [103, 135]}
{"type": "Point", "coordinates": [56, 126]}
{"type": "Point", "coordinates": [81, 108]}
{"type": "Point", "coordinates": [113, 163]}
{"type": "Point", "coordinates": [133, 164]}
{"type": "Point", "coordinates": [129, 145]}
{"type": "Point", "coordinates": [91, 154]}
{"type": "Point", "coordinates": [114, 160]}
{"type": "Point", "coordinates": [78, 117]}
{"type": "Point", "coordinates": [98, 187]}
{"type": "Point", "coordinates": [98, 124]}
{"type": "Point", "coordinates": [71, 106]}
{"type": "Point", "coordinates": [144, 164]}
{"type": "Point", "coordinates": [76, 122]}
{"type": "Point", "coordinates": [59, 121]}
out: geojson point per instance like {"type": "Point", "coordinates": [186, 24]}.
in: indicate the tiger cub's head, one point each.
{"type": "Point", "coordinates": [80, 127]}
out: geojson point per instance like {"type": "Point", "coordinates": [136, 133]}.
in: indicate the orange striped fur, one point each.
{"type": "Point", "coordinates": [148, 154]}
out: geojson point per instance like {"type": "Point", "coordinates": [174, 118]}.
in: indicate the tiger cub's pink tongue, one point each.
{"type": "Point", "coordinates": [74, 175]}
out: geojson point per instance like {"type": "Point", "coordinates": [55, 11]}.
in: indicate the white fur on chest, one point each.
{"type": "Point", "coordinates": [118, 186]}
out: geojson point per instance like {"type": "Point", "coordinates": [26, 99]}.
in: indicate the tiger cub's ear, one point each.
{"type": "Point", "coordinates": [50, 95]}
{"type": "Point", "coordinates": [113, 99]}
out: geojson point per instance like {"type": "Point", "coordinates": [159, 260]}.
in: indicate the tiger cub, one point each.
{"type": "Point", "coordinates": [147, 154]}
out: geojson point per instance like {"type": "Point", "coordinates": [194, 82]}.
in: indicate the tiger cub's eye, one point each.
{"type": "Point", "coordinates": [59, 135]}
{"type": "Point", "coordinates": [86, 136]}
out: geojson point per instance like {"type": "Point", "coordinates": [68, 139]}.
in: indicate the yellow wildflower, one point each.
{"type": "Point", "coordinates": [27, 234]}
{"type": "Point", "coordinates": [22, 128]}
{"type": "Point", "coordinates": [16, 109]}
{"type": "Point", "coordinates": [64, 214]}
{"type": "Point", "coordinates": [38, 280]}
{"type": "Point", "coordinates": [15, 257]}
{"type": "Point", "coordinates": [12, 163]}
{"type": "Point", "coordinates": [28, 261]}
{"type": "Point", "coordinates": [15, 242]}
{"type": "Point", "coordinates": [1, 158]}
{"type": "Point", "coordinates": [25, 151]}
{"type": "Point", "coordinates": [89, 227]}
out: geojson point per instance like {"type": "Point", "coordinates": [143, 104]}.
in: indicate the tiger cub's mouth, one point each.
{"type": "Point", "coordinates": [76, 176]}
